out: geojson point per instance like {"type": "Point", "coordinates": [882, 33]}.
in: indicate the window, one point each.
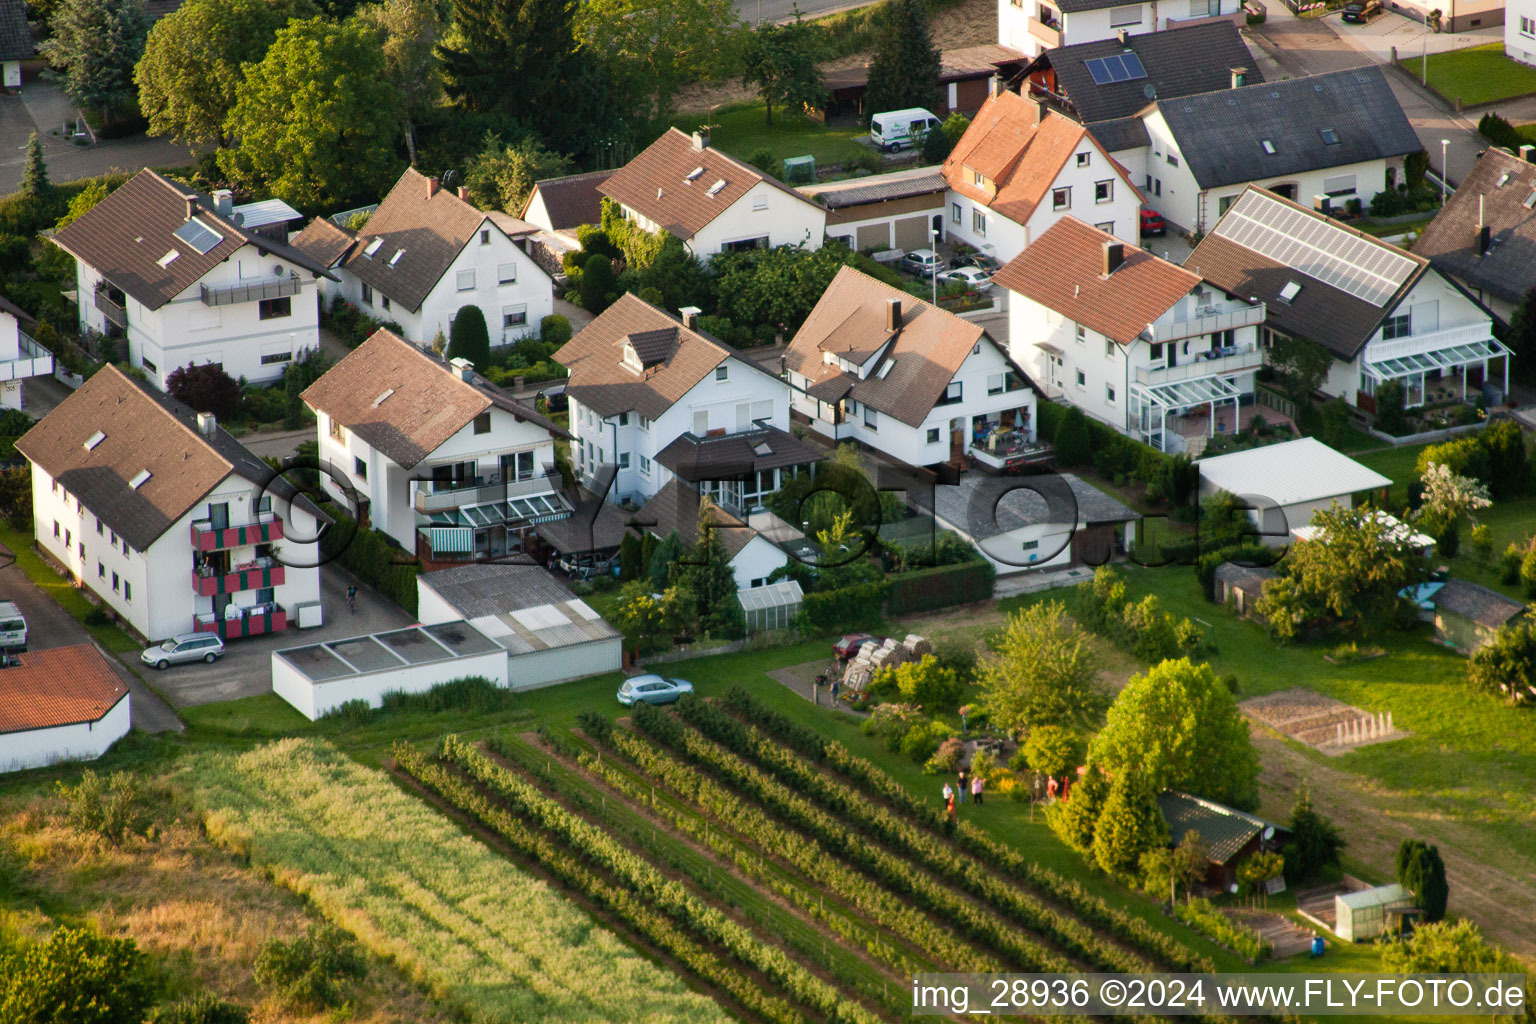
{"type": "Point", "coordinates": [112, 537]}
{"type": "Point", "coordinates": [1083, 159]}
{"type": "Point", "coordinates": [1225, 203]}
{"type": "Point", "coordinates": [1340, 185]}
{"type": "Point", "coordinates": [1290, 291]}
{"type": "Point", "coordinates": [1109, 393]}
{"type": "Point", "coordinates": [1109, 348]}
{"type": "Point", "coordinates": [386, 301]}
{"type": "Point", "coordinates": [976, 349]}
{"type": "Point", "coordinates": [1081, 332]}
{"type": "Point", "coordinates": [933, 435]}
{"type": "Point", "coordinates": [506, 273]}
{"type": "Point", "coordinates": [1157, 350]}
{"type": "Point", "coordinates": [623, 419]}
{"type": "Point", "coordinates": [977, 178]}
{"type": "Point", "coordinates": [69, 540]}
{"type": "Point", "coordinates": [979, 223]}
{"type": "Point", "coordinates": [645, 466]}
{"type": "Point", "coordinates": [99, 528]}
{"type": "Point", "coordinates": [759, 203]}
{"type": "Point", "coordinates": [367, 295]}
{"type": "Point", "coordinates": [1269, 147]}
{"type": "Point", "coordinates": [1061, 198]}
{"type": "Point", "coordinates": [127, 591]}
{"type": "Point", "coordinates": [338, 432]}
{"type": "Point", "coordinates": [954, 213]}
{"type": "Point", "coordinates": [151, 367]}
{"type": "Point", "coordinates": [485, 236]}
{"type": "Point", "coordinates": [270, 358]}
{"type": "Point", "coordinates": [1082, 379]}
{"type": "Point", "coordinates": [126, 550]}
{"type": "Point", "coordinates": [701, 423]}
{"type": "Point", "coordinates": [1396, 327]}
{"type": "Point", "coordinates": [1330, 137]}
{"type": "Point", "coordinates": [514, 316]}
{"type": "Point", "coordinates": [81, 548]}
{"type": "Point", "coordinates": [274, 309]}
{"type": "Point", "coordinates": [1108, 227]}
{"type": "Point", "coordinates": [1122, 16]}
{"type": "Point", "coordinates": [1030, 545]}
{"type": "Point", "coordinates": [483, 423]}
{"type": "Point", "coordinates": [1204, 8]}
{"type": "Point", "coordinates": [1527, 26]}
{"type": "Point", "coordinates": [465, 280]}
{"type": "Point", "coordinates": [114, 583]}
{"type": "Point", "coordinates": [954, 392]}
{"type": "Point", "coordinates": [101, 571]}
{"type": "Point", "coordinates": [1173, 161]}
{"type": "Point", "coordinates": [871, 418]}
{"type": "Point", "coordinates": [360, 468]}
{"type": "Point", "coordinates": [623, 460]}
{"type": "Point", "coordinates": [55, 529]}
{"type": "Point", "coordinates": [1157, 186]}
{"type": "Point", "coordinates": [995, 383]}
{"type": "Point", "coordinates": [1104, 191]}
{"type": "Point", "coordinates": [722, 372]}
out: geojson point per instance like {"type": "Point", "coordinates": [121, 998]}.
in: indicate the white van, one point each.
{"type": "Point", "coordinates": [13, 627]}
{"type": "Point", "coordinates": [898, 129]}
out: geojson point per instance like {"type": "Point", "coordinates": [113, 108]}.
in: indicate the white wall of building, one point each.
{"type": "Point", "coordinates": [765, 211]}
{"type": "Point", "coordinates": [538, 669]}
{"type": "Point", "coordinates": [315, 699]}
{"type": "Point", "coordinates": [1087, 26]}
{"type": "Point", "coordinates": [37, 748]}
{"type": "Point", "coordinates": [1519, 30]}
{"type": "Point", "coordinates": [754, 562]}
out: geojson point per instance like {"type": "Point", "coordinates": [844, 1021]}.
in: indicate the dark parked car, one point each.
{"type": "Point", "coordinates": [847, 647]}
{"type": "Point", "coordinates": [1362, 11]}
{"type": "Point", "coordinates": [555, 399]}
{"type": "Point", "coordinates": [1152, 223]}
{"type": "Point", "coordinates": [981, 261]}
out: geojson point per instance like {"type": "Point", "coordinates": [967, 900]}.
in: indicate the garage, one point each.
{"type": "Point", "coordinates": [873, 236]}
{"type": "Point", "coordinates": [1046, 522]}
{"type": "Point", "coordinates": [883, 211]}
{"type": "Point", "coordinates": [911, 233]}
{"type": "Point", "coordinates": [61, 704]}
{"type": "Point", "coordinates": [1284, 484]}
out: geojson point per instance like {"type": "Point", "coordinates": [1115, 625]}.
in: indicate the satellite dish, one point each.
{"type": "Point", "coordinates": [277, 271]}
{"type": "Point", "coordinates": [1149, 91]}
{"type": "Point", "coordinates": [1269, 832]}
{"type": "Point", "coordinates": [1232, 888]}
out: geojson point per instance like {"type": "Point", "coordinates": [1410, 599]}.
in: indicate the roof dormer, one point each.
{"type": "Point", "coordinates": [645, 349]}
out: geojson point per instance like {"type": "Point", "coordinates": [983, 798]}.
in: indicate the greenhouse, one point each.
{"type": "Point", "coordinates": [774, 606]}
{"type": "Point", "coordinates": [1371, 913]}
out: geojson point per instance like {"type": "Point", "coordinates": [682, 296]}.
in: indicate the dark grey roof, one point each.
{"type": "Point", "coordinates": [15, 36]}
{"type": "Point", "coordinates": [732, 455]}
{"type": "Point", "coordinates": [1481, 605]}
{"type": "Point", "coordinates": [969, 507]}
{"type": "Point", "coordinates": [595, 525]}
{"type": "Point", "coordinates": [1073, 6]}
{"type": "Point", "coordinates": [1248, 578]}
{"type": "Point", "coordinates": [1179, 62]}
{"type": "Point", "coordinates": [1122, 133]}
{"type": "Point", "coordinates": [1221, 134]}
{"type": "Point", "coordinates": [496, 588]}
{"type": "Point", "coordinates": [1225, 830]}
{"type": "Point", "coordinates": [880, 191]}
{"type": "Point", "coordinates": [1495, 194]}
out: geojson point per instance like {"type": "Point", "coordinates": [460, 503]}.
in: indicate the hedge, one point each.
{"type": "Point", "coordinates": [373, 557]}
{"type": "Point", "coordinates": [1113, 452]}
{"type": "Point", "coordinates": [847, 608]}
{"type": "Point", "coordinates": [924, 590]}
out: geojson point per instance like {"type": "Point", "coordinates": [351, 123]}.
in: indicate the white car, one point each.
{"type": "Point", "coordinates": [973, 279]}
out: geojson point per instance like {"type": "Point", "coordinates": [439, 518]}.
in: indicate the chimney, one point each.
{"type": "Point", "coordinates": [1484, 238]}
{"type": "Point", "coordinates": [1320, 203]}
{"type": "Point", "coordinates": [191, 207]}
{"type": "Point", "coordinates": [464, 368]}
{"type": "Point", "coordinates": [1528, 154]}
{"type": "Point", "coordinates": [701, 139]}
{"type": "Point", "coordinates": [464, 193]}
{"type": "Point", "coordinates": [1040, 108]}
{"type": "Point", "coordinates": [224, 202]}
{"type": "Point", "coordinates": [1239, 77]}
{"type": "Point", "coordinates": [207, 424]}
{"type": "Point", "coordinates": [892, 314]}
{"type": "Point", "coordinates": [1124, 37]}
{"type": "Point", "coordinates": [994, 85]}
{"type": "Point", "coordinates": [690, 315]}
{"type": "Point", "coordinates": [1114, 255]}
{"type": "Point", "coordinates": [433, 184]}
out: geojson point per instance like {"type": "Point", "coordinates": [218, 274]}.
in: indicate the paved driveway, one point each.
{"type": "Point", "coordinates": [246, 668]}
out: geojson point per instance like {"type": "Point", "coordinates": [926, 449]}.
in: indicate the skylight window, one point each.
{"type": "Point", "coordinates": [94, 440]}
{"type": "Point", "coordinates": [1290, 291]}
{"type": "Point", "coordinates": [373, 247]}
{"type": "Point", "coordinates": [714, 189]}
{"type": "Point", "coordinates": [199, 236]}
{"type": "Point", "coordinates": [1330, 137]}
{"type": "Point", "coordinates": [762, 449]}
{"type": "Point", "coordinates": [138, 480]}
{"type": "Point", "coordinates": [168, 258]}
{"type": "Point", "coordinates": [380, 400]}
{"type": "Point", "coordinates": [396, 257]}
{"type": "Point", "coordinates": [1530, 200]}
{"type": "Point", "coordinates": [1269, 147]}
{"type": "Point", "coordinates": [1503, 179]}
{"type": "Point", "coordinates": [693, 175]}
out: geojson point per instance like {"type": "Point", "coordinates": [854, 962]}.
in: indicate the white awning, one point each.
{"type": "Point", "coordinates": [1440, 359]}
{"type": "Point", "coordinates": [1185, 393]}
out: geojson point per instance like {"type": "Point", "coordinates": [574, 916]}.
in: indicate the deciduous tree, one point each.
{"type": "Point", "coordinates": [651, 47]}
{"type": "Point", "coordinates": [905, 69]}
{"type": "Point", "coordinates": [1301, 365]}
{"type": "Point", "coordinates": [1043, 673]}
{"type": "Point", "coordinates": [1054, 750]}
{"type": "Point", "coordinates": [206, 388]}
{"type": "Point", "coordinates": [75, 977]}
{"type": "Point", "coordinates": [780, 62]}
{"type": "Point", "coordinates": [1449, 498]}
{"type": "Point", "coordinates": [408, 32]}
{"type": "Point", "coordinates": [1506, 665]}
{"type": "Point", "coordinates": [502, 175]}
{"type": "Point", "coordinates": [94, 47]}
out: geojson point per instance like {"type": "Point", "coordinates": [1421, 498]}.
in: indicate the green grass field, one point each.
{"type": "Point", "coordinates": [741, 129]}
{"type": "Point", "coordinates": [1475, 75]}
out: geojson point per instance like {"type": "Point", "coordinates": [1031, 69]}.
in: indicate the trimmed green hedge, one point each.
{"type": "Point", "coordinates": [844, 609]}
{"type": "Point", "coordinates": [924, 590]}
{"type": "Point", "coordinates": [373, 557]}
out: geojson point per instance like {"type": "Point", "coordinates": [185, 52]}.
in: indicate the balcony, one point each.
{"type": "Point", "coordinates": [32, 360]}
{"type": "Point", "coordinates": [257, 575]}
{"type": "Point", "coordinates": [266, 530]}
{"type": "Point", "coordinates": [443, 496]}
{"type": "Point", "coordinates": [1234, 359]}
{"type": "Point", "coordinates": [1210, 322]}
{"type": "Point", "coordinates": [1011, 454]}
{"type": "Point", "coordinates": [252, 291]}
{"type": "Point", "coordinates": [252, 621]}
{"type": "Point", "coordinates": [110, 308]}
{"type": "Point", "coordinates": [1433, 341]}
{"type": "Point", "coordinates": [1047, 34]}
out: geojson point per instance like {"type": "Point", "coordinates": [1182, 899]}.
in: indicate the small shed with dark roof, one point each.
{"type": "Point", "coordinates": [1241, 586]}
{"type": "Point", "coordinates": [1467, 615]}
{"type": "Point", "coordinates": [61, 704]}
{"type": "Point", "coordinates": [15, 41]}
{"type": "Point", "coordinates": [1054, 521]}
{"type": "Point", "coordinates": [1231, 836]}
{"type": "Point", "coordinates": [564, 204]}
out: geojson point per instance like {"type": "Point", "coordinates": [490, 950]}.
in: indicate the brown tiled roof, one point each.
{"type": "Point", "coordinates": [655, 183]}
{"type": "Point", "coordinates": [1020, 146]}
{"type": "Point", "coordinates": [971, 61]}
{"type": "Point", "coordinates": [676, 507]}
{"type": "Point", "coordinates": [15, 36]}
{"type": "Point", "coordinates": [406, 402]}
{"type": "Point", "coordinates": [570, 201]}
{"type": "Point", "coordinates": [323, 241]}
{"type": "Point", "coordinates": [1063, 270]}
{"type": "Point", "coordinates": [733, 455]}
{"type": "Point", "coordinates": [1495, 194]}
{"type": "Point", "coordinates": [127, 234]}
{"type": "Point", "coordinates": [58, 686]}
{"type": "Point", "coordinates": [927, 348]}
{"type": "Point", "coordinates": [144, 430]}
{"type": "Point", "coordinates": [595, 356]}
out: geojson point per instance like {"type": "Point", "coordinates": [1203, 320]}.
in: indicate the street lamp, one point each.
{"type": "Point", "coordinates": [933, 247]}
{"type": "Point", "coordinates": [1424, 72]}
{"type": "Point", "coordinates": [1445, 178]}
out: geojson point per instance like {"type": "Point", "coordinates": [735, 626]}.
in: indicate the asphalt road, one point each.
{"type": "Point", "coordinates": [754, 11]}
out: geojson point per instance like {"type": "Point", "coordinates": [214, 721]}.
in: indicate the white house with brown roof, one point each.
{"type": "Point", "coordinates": [566, 203]}
{"type": "Point", "coordinates": [20, 356]}
{"type": "Point", "coordinates": [655, 397]}
{"type": "Point", "coordinates": [711, 200]}
{"type": "Point", "coordinates": [1131, 339]}
{"type": "Point", "coordinates": [1020, 167]}
{"type": "Point", "coordinates": [188, 281]}
{"type": "Point", "coordinates": [173, 524]}
{"type": "Point", "coordinates": [444, 462]}
{"type": "Point", "coordinates": [61, 704]}
{"type": "Point", "coordinates": [1037, 25]}
{"type": "Point", "coordinates": [874, 364]}
{"type": "Point", "coordinates": [425, 253]}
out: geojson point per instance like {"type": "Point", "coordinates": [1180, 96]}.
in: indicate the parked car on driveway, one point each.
{"type": "Point", "coordinates": [1361, 11]}
{"type": "Point", "coordinates": [652, 689]}
{"type": "Point", "coordinates": [848, 646]}
{"type": "Point", "coordinates": [981, 261]}
{"type": "Point", "coordinates": [973, 279]}
{"type": "Point", "coordinates": [179, 650]}
{"type": "Point", "coordinates": [922, 262]}
{"type": "Point", "coordinates": [1152, 223]}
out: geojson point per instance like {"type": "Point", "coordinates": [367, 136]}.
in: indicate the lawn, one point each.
{"type": "Point", "coordinates": [741, 129]}
{"type": "Point", "coordinates": [65, 593]}
{"type": "Point", "coordinates": [1475, 75]}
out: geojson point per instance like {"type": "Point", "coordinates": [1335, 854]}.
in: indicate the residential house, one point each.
{"type": "Point", "coordinates": [654, 397]}
{"type": "Point", "coordinates": [564, 204]}
{"type": "Point", "coordinates": [60, 704]}
{"type": "Point", "coordinates": [1334, 140]}
{"type": "Point", "coordinates": [173, 524]}
{"type": "Point", "coordinates": [433, 455]}
{"type": "Point", "coordinates": [1105, 83]}
{"type": "Point", "coordinates": [1457, 16]}
{"type": "Point", "coordinates": [1520, 30]}
{"type": "Point", "coordinates": [1021, 167]}
{"type": "Point", "coordinates": [1230, 836]}
{"type": "Point", "coordinates": [1044, 521]}
{"type": "Point", "coordinates": [20, 356]}
{"type": "Point", "coordinates": [15, 42]}
{"type": "Point", "coordinates": [1133, 340]}
{"type": "Point", "coordinates": [709, 199]}
{"type": "Point", "coordinates": [1037, 25]}
{"type": "Point", "coordinates": [1284, 485]}
{"type": "Point", "coordinates": [189, 282]}
{"type": "Point", "coordinates": [875, 365]}
{"type": "Point", "coordinates": [1384, 313]}
{"type": "Point", "coordinates": [899, 210]}
{"type": "Point", "coordinates": [1467, 615]}
{"type": "Point", "coordinates": [1484, 237]}
{"type": "Point", "coordinates": [676, 508]}
{"type": "Point", "coordinates": [426, 253]}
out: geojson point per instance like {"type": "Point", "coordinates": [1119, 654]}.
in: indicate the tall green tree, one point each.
{"type": "Point", "coordinates": [1076, 818]}
{"type": "Point", "coordinates": [502, 175]}
{"type": "Point", "coordinates": [34, 180]}
{"type": "Point", "coordinates": [94, 47]}
{"type": "Point", "coordinates": [315, 118]}
{"type": "Point", "coordinates": [408, 31]}
{"type": "Point", "coordinates": [1314, 842]}
{"type": "Point", "coordinates": [75, 977]}
{"type": "Point", "coordinates": [1178, 725]}
{"type": "Point", "coordinates": [1508, 462]}
{"type": "Point", "coordinates": [905, 69]}
{"type": "Point", "coordinates": [1053, 750]}
{"type": "Point", "coordinates": [708, 576]}
{"type": "Point", "coordinates": [191, 73]}
{"type": "Point", "coordinates": [469, 338]}
{"type": "Point", "coordinates": [1421, 871]}
{"type": "Point", "coordinates": [1043, 673]}
{"type": "Point", "coordinates": [1301, 364]}
{"type": "Point", "coordinates": [1521, 336]}
{"type": "Point", "coordinates": [1506, 665]}
{"type": "Point", "coordinates": [1129, 825]}
{"type": "Point", "coordinates": [652, 47]}
{"type": "Point", "coordinates": [1072, 439]}
{"type": "Point", "coordinates": [780, 62]}
{"type": "Point", "coordinates": [597, 283]}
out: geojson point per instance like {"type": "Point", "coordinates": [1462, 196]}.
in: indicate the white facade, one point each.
{"type": "Point", "coordinates": [221, 319]}
{"type": "Point", "coordinates": [1520, 30]}
{"type": "Point", "coordinates": [1088, 186]}
{"type": "Point", "coordinates": [754, 563]}
{"type": "Point", "coordinates": [84, 741]}
{"type": "Point", "coordinates": [155, 591]}
{"type": "Point", "coordinates": [314, 699]}
{"type": "Point", "coordinates": [765, 217]}
{"type": "Point", "coordinates": [1034, 25]}
{"type": "Point", "coordinates": [1172, 191]}
{"type": "Point", "coordinates": [491, 272]}
{"type": "Point", "coordinates": [20, 358]}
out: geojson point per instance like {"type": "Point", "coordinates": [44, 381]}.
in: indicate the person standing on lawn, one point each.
{"type": "Point", "coordinates": [965, 785]}
{"type": "Point", "coordinates": [949, 793]}
{"type": "Point", "coordinates": [976, 790]}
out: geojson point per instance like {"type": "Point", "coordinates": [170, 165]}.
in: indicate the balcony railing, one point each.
{"type": "Point", "coordinates": [252, 621]}
{"type": "Point", "coordinates": [1247, 357]}
{"type": "Point", "coordinates": [1045, 33]}
{"type": "Point", "coordinates": [251, 291]}
{"type": "Point", "coordinates": [111, 309]}
{"type": "Point", "coordinates": [267, 529]}
{"type": "Point", "coordinates": [1450, 337]}
{"type": "Point", "coordinates": [32, 360]}
{"type": "Point", "coordinates": [1009, 456]}
{"type": "Point", "coordinates": [441, 496]}
{"type": "Point", "coordinates": [258, 575]}
{"type": "Point", "coordinates": [1210, 323]}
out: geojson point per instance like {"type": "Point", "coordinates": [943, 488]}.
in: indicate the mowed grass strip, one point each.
{"type": "Point", "coordinates": [1477, 74]}
{"type": "Point", "coordinates": [482, 934]}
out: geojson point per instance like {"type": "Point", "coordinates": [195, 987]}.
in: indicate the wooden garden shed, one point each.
{"type": "Point", "coordinates": [1467, 615]}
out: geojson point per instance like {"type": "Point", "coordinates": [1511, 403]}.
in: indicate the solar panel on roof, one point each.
{"type": "Point", "coordinates": [1120, 67]}
{"type": "Point", "coordinates": [199, 236]}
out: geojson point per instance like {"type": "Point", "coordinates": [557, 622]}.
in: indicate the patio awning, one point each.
{"type": "Point", "coordinates": [451, 540]}
{"type": "Point", "coordinates": [1440, 359]}
{"type": "Point", "coordinates": [1185, 393]}
{"type": "Point", "coordinates": [533, 509]}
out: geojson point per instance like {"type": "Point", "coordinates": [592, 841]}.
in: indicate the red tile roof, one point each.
{"type": "Point", "coordinates": [1063, 270]}
{"type": "Point", "coordinates": [60, 686]}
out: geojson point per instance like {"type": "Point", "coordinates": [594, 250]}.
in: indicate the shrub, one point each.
{"type": "Point", "coordinates": [16, 496]}
{"type": "Point", "coordinates": [847, 608]}
{"type": "Point", "coordinates": [373, 557]}
{"type": "Point", "coordinates": [597, 283]}
{"type": "Point", "coordinates": [1528, 572]}
{"type": "Point", "coordinates": [312, 971]}
{"type": "Point", "coordinates": [1390, 417]}
{"type": "Point", "coordinates": [941, 587]}
{"type": "Point", "coordinates": [1509, 564]}
{"type": "Point", "coordinates": [1071, 439]}
{"type": "Point", "coordinates": [923, 740]}
{"type": "Point", "coordinates": [203, 1009]}
{"type": "Point", "coordinates": [75, 977]}
{"type": "Point", "coordinates": [554, 330]}
{"type": "Point", "coordinates": [946, 759]}
{"type": "Point", "coordinates": [469, 338]}
{"type": "Point", "coordinates": [890, 723]}
{"type": "Point", "coordinates": [925, 682]}
{"type": "Point", "coordinates": [763, 159]}
{"type": "Point", "coordinates": [206, 388]}
{"type": "Point", "coordinates": [104, 808]}
{"type": "Point", "coordinates": [1500, 132]}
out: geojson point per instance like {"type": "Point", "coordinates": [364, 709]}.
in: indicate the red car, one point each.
{"type": "Point", "coordinates": [1152, 223]}
{"type": "Point", "coordinates": [848, 646]}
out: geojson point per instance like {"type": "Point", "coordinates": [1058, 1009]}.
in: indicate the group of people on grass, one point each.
{"type": "Point", "coordinates": [968, 783]}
